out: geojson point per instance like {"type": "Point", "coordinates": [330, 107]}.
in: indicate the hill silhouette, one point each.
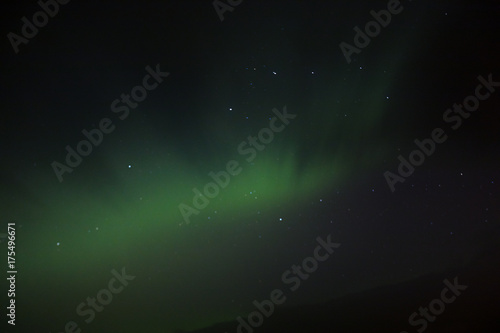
{"type": "Point", "coordinates": [387, 308]}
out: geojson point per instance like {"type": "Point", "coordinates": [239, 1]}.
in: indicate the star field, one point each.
{"type": "Point", "coordinates": [217, 183]}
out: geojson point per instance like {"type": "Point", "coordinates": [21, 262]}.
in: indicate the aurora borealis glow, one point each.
{"type": "Point", "coordinates": [321, 174]}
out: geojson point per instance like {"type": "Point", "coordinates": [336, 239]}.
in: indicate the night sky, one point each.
{"type": "Point", "coordinates": [204, 148]}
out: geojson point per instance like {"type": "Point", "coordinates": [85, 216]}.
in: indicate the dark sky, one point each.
{"type": "Point", "coordinates": [300, 140]}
